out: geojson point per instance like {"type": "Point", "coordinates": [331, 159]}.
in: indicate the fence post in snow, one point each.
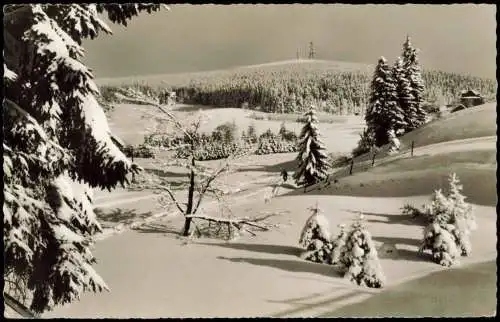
{"type": "Point", "coordinates": [133, 173]}
{"type": "Point", "coordinates": [352, 165]}
{"type": "Point", "coordinates": [412, 145]}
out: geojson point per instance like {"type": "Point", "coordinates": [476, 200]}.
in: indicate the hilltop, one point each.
{"type": "Point", "coordinates": [178, 79]}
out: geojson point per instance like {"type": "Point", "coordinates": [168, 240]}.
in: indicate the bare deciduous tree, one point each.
{"type": "Point", "coordinates": [202, 180]}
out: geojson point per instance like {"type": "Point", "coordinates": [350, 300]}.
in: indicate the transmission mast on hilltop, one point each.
{"type": "Point", "coordinates": [312, 52]}
{"type": "Point", "coordinates": [298, 54]}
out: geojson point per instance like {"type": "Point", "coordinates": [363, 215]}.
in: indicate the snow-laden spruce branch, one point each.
{"type": "Point", "coordinates": [36, 126]}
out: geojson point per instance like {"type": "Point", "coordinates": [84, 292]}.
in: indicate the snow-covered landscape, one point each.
{"type": "Point", "coordinates": [293, 287]}
{"type": "Point", "coordinates": [135, 206]}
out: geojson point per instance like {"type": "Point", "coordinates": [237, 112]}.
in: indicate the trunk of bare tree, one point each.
{"type": "Point", "coordinates": [189, 209]}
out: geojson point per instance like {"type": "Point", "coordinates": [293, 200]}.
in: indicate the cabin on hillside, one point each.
{"type": "Point", "coordinates": [470, 98]}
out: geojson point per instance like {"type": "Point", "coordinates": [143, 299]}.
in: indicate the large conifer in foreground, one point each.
{"type": "Point", "coordinates": [57, 146]}
{"type": "Point", "coordinates": [312, 156]}
{"type": "Point", "coordinates": [383, 112]}
{"type": "Point", "coordinates": [414, 113]}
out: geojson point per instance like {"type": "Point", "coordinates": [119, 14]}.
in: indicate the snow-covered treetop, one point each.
{"type": "Point", "coordinates": [399, 62]}
{"type": "Point", "coordinates": [455, 188]}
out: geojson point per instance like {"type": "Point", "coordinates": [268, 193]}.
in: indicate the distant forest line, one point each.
{"type": "Point", "coordinates": [291, 88]}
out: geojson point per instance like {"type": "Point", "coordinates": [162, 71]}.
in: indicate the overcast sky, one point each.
{"type": "Point", "coordinates": [457, 38]}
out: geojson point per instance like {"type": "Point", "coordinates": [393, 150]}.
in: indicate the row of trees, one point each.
{"type": "Point", "coordinates": [280, 92]}
{"type": "Point", "coordinates": [352, 251]}
{"type": "Point", "coordinates": [224, 140]}
{"type": "Point", "coordinates": [448, 219]}
{"type": "Point", "coordinates": [396, 98]}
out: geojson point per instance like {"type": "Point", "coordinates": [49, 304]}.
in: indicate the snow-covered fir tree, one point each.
{"type": "Point", "coordinates": [449, 216]}
{"type": "Point", "coordinates": [312, 158]}
{"type": "Point", "coordinates": [383, 112]}
{"type": "Point", "coordinates": [442, 244]}
{"type": "Point", "coordinates": [338, 244]}
{"type": "Point", "coordinates": [438, 209]}
{"type": "Point", "coordinates": [56, 148]}
{"type": "Point", "coordinates": [315, 237]}
{"type": "Point", "coordinates": [404, 92]}
{"type": "Point", "coordinates": [355, 254]}
{"type": "Point", "coordinates": [463, 215]}
{"type": "Point", "coordinates": [461, 208]}
{"type": "Point", "coordinates": [414, 113]}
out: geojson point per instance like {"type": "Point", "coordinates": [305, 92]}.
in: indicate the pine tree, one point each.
{"type": "Point", "coordinates": [356, 255]}
{"type": "Point", "coordinates": [463, 215]}
{"type": "Point", "coordinates": [383, 112]}
{"type": "Point", "coordinates": [415, 114]}
{"type": "Point", "coordinates": [315, 238]}
{"type": "Point", "coordinates": [312, 156]}
{"type": "Point", "coordinates": [442, 244]}
{"type": "Point", "coordinates": [461, 208]}
{"type": "Point", "coordinates": [315, 228]}
{"type": "Point", "coordinates": [57, 147]}
{"type": "Point", "coordinates": [451, 222]}
{"type": "Point", "coordinates": [403, 90]}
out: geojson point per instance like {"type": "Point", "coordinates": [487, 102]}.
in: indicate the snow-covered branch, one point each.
{"type": "Point", "coordinates": [230, 221]}
{"type": "Point", "coordinates": [39, 130]}
{"type": "Point", "coordinates": [170, 116]}
{"type": "Point", "coordinates": [172, 196]}
{"type": "Point", "coordinates": [207, 184]}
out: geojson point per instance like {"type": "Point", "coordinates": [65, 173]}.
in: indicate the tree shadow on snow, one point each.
{"type": "Point", "coordinates": [398, 241]}
{"type": "Point", "coordinates": [295, 266]}
{"type": "Point", "coordinates": [276, 168]}
{"type": "Point", "coordinates": [406, 254]}
{"type": "Point", "coordinates": [166, 174]}
{"type": "Point", "coordinates": [174, 186]}
{"type": "Point", "coordinates": [300, 307]}
{"type": "Point", "coordinates": [156, 228]}
{"type": "Point", "coordinates": [261, 248]}
{"type": "Point", "coordinates": [398, 219]}
{"type": "Point", "coordinates": [118, 215]}
{"type": "Point", "coordinates": [413, 255]}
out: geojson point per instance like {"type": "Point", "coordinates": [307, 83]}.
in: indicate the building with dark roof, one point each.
{"type": "Point", "coordinates": [470, 98]}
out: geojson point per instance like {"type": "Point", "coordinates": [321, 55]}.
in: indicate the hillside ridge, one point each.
{"type": "Point", "coordinates": [279, 63]}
